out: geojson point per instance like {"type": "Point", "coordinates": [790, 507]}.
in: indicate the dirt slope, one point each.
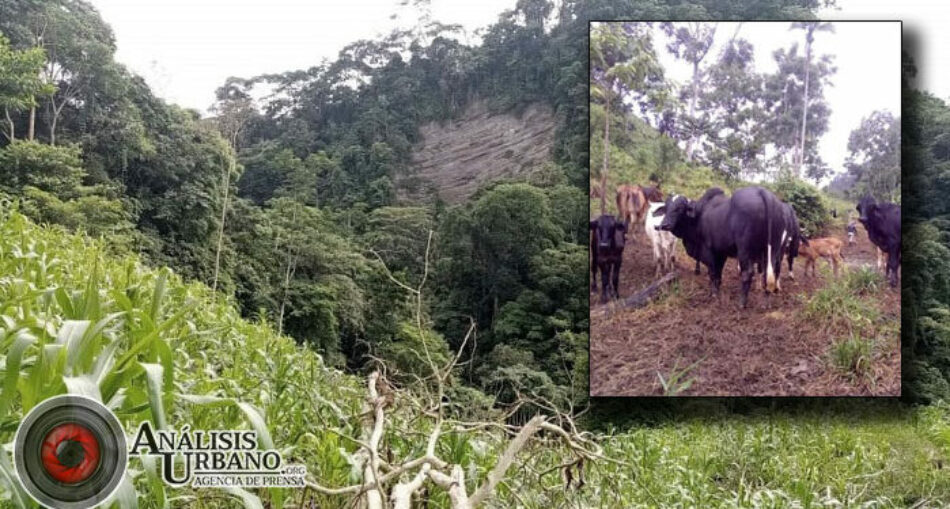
{"type": "Point", "coordinates": [768, 349]}
{"type": "Point", "coordinates": [457, 157]}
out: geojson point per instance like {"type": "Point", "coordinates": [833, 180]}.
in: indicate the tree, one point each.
{"type": "Point", "coordinates": [733, 102]}
{"type": "Point", "coordinates": [79, 48]}
{"type": "Point", "coordinates": [784, 106]}
{"type": "Point", "coordinates": [691, 42]}
{"type": "Point", "coordinates": [234, 110]}
{"type": "Point", "coordinates": [810, 27]}
{"type": "Point", "coordinates": [20, 83]}
{"type": "Point", "coordinates": [874, 159]}
{"type": "Point", "coordinates": [622, 59]}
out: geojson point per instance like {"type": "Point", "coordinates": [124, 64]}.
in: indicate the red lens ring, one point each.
{"type": "Point", "coordinates": [76, 433]}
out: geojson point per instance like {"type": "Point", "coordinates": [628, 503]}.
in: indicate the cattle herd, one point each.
{"type": "Point", "coordinates": [753, 226]}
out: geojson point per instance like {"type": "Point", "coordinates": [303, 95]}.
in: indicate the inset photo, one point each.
{"type": "Point", "coordinates": [745, 208]}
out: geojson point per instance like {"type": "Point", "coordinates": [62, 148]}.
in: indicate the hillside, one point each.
{"type": "Point", "coordinates": [457, 157]}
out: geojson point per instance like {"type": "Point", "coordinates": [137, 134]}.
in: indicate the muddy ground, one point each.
{"type": "Point", "coordinates": [769, 349]}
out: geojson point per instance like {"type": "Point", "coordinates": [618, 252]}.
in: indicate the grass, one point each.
{"type": "Point", "coordinates": [677, 382]}
{"type": "Point", "coordinates": [865, 281]}
{"type": "Point", "coordinates": [846, 304]}
{"type": "Point", "coordinates": [853, 355]}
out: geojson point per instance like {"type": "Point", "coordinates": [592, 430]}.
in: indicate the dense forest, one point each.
{"type": "Point", "coordinates": [285, 203]}
{"type": "Point", "coordinates": [286, 197]}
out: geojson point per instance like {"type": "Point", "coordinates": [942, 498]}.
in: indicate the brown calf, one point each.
{"type": "Point", "coordinates": [827, 247]}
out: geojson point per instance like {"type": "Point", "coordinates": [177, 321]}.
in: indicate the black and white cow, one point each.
{"type": "Point", "coordinates": [606, 246]}
{"type": "Point", "coordinates": [883, 224]}
{"type": "Point", "coordinates": [749, 226]}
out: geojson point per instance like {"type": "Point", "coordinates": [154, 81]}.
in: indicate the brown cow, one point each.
{"type": "Point", "coordinates": [827, 247]}
{"type": "Point", "coordinates": [633, 202]}
{"type": "Point", "coordinates": [632, 206]}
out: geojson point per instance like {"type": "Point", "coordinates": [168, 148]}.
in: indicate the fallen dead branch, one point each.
{"type": "Point", "coordinates": [387, 483]}
{"type": "Point", "coordinates": [639, 299]}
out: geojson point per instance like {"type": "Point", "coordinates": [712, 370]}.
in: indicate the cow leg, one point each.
{"type": "Point", "coordinates": [747, 273]}
{"type": "Point", "coordinates": [604, 281]}
{"type": "Point", "coordinates": [697, 268]}
{"type": "Point", "coordinates": [616, 279]}
{"type": "Point", "coordinates": [893, 260]}
{"type": "Point", "coordinates": [715, 273]}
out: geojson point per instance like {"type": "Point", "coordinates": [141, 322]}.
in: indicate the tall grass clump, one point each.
{"type": "Point", "coordinates": [843, 305]}
{"type": "Point", "coordinates": [852, 355]}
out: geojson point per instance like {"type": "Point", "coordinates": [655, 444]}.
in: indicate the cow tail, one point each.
{"type": "Point", "coordinates": [770, 281]}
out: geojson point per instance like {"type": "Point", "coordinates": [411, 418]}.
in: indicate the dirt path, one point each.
{"type": "Point", "coordinates": [768, 349]}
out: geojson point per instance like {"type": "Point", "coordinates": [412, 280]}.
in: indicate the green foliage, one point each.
{"type": "Point", "coordinates": [809, 204]}
{"type": "Point", "coordinates": [20, 84]}
{"type": "Point", "coordinates": [925, 353]}
{"type": "Point", "coordinates": [56, 170]}
{"type": "Point", "coordinates": [874, 159]}
{"type": "Point", "coordinates": [152, 347]}
{"type": "Point", "coordinates": [412, 352]}
{"type": "Point", "coordinates": [49, 181]}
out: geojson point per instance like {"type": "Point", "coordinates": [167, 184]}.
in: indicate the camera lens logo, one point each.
{"type": "Point", "coordinates": [70, 452]}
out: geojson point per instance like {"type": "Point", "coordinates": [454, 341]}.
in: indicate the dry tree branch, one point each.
{"type": "Point", "coordinates": [397, 482]}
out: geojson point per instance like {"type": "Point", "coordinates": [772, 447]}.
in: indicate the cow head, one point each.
{"type": "Point", "coordinates": [866, 208]}
{"type": "Point", "coordinates": [608, 231]}
{"type": "Point", "coordinates": [677, 209]}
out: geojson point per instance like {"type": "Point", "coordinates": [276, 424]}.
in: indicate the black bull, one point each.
{"type": "Point", "coordinates": [751, 226]}
{"type": "Point", "coordinates": [883, 224]}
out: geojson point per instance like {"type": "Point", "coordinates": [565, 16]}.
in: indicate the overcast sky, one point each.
{"type": "Point", "coordinates": [185, 49]}
{"type": "Point", "coordinates": [927, 19]}
{"type": "Point", "coordinates": [867, 55]}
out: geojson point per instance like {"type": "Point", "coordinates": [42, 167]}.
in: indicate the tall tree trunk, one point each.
{"type": "Point", "coordinates": [801, 143]}
{"type": "Point", "coordinates": [691, 145]}
{"type": "Point", "coordinates": [11, 134]}
{"type": "Point", "coordinates": [52, 129]}
{"type": "Point", "coordinates": [290, 262]}
{"type": "Point", "coordinates": [224, 213]}
{"type": "Point", "coordinates": [31, 132]}
{"type": "Point", "coordinates": [603, 172]}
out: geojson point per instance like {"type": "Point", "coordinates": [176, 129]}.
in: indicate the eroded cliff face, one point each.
{"type": "Point", "coordinates": [457, 157]}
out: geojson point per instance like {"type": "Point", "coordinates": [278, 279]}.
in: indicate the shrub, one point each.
{"type": "Point", "coordinates": [809, 205]}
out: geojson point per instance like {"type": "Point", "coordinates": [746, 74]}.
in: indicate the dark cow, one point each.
{"type": "Point", "coordinates": [652, 193]}
{"type": "Point", "coordinates": [748, 226]}
{"type": "Point", "coordinates": [883, 224]}
{"type": "Point", "coordinates": [794, 239]}
{"type": "Point", "coordinates": [607, 239]}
